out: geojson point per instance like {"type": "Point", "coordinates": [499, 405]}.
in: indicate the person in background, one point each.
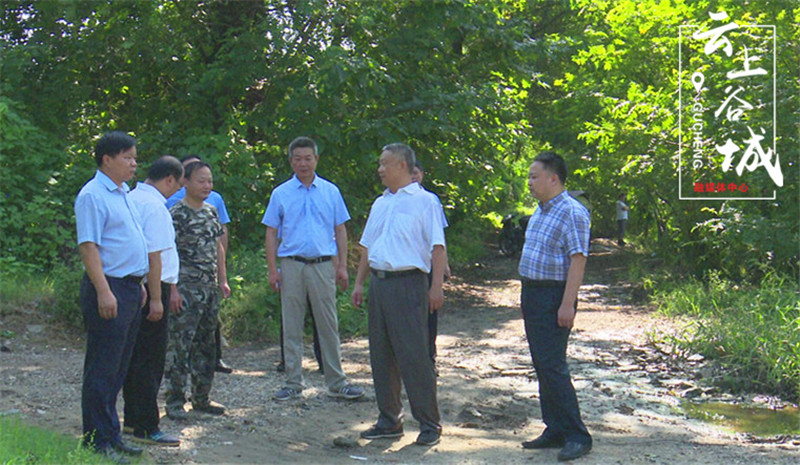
{"type": "Point", "coordinates": [113, 250]}
{"type": "Point", "coordinates": [418, 175]}
{"type": "Point", "coordinates": [143, 380]}
{"type": "Point", "coordinates": [402, 242]}
{"type": "Point", "coordinates": [552, 264]}
{"type": "Point", "coordinates": [622, 219]}
{"type": "Point", "coordinates": [203, 277]}
{"type": "Point", "coordinates": [216, 201]}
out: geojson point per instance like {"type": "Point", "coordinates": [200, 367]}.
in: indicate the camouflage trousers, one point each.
{"type": "Point", "coordinates": [191, 349]}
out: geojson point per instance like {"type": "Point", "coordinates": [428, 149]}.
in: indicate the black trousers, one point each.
{"type": "Point", "coordinates": [433, 327]}
{"type": "Point", "coordinates": [548, 345]}
{"type": "Point", "coordinates": [146, 370]}
{"type": "Point", "coordinates": [109, 344]}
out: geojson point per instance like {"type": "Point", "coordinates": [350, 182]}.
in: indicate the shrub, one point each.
{"type": "Point", "coordinates": [751, 331]}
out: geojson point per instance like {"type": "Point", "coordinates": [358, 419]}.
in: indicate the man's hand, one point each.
{"type": "Point", "coordinates": [225, 289]}
{"type": "Point", "coordinates": [435, 298]}
{"type": "Point", "coordinates": [142, 295]}
{"type": "Point", "coordinates": [275, 280]}
{"type": "Point", "coordinates": [342, 279]}
{"type": "Point", "coordinates": [156, 311]}
{"type": "Point", "coordinates": [566, 316]}
{"type": "Point", "coordinates": [106, 305]}
{"type": "Point", "coordinates": [357, 297]}
{"type": "Point", "coordinates": [175, 300]}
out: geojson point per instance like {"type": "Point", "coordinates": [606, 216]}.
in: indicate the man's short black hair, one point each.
{"type": "Point", "coordinates": [164, 167]}
{"type": "Point", "coordinates": [191, 157]}
{"type": "Point", "coordinates": [553, 163]}
{"type": "Point", "coordinates": [112, 144]}
{"type": "Point", "coordinates": [418, 165]}
{"type": "Point", "coordinates": [194, 166]}
{"type": "Point", "coordinates": [302, 141]}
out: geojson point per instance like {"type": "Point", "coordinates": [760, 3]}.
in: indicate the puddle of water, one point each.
{"type": "Point", "coordinates": [758, 421]}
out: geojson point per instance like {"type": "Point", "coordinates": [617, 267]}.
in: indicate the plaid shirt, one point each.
{"type": "Point", "coordinates": [557, 230]}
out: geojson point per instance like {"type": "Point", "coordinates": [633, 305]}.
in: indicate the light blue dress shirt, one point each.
{"type": "Point", "coordinates": [214, 199]}
{"type": "Point", "coordinates": [105, 216]}
{"type": "Point", "coordinates": [306, 217]}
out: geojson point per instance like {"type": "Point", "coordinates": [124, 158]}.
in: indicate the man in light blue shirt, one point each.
{"type": "Point", "coordinates": [216, 201]}
{"type": "Point", "coordinates": [305, 221]}
{"type": "Point", "coordinates": [114, 252]}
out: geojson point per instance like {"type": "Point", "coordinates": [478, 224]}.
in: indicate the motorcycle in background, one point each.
{"type": "Point", "coordinates": [512, 236]}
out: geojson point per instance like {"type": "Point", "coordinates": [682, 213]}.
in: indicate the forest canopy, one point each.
{"type": "Point", "coordinates": [476, 87]}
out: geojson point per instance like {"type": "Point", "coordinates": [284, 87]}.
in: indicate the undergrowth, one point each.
{"type": "Point", "coordinates": [751, 330]}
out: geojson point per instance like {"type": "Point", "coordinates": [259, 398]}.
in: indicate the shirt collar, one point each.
{"type": "Point", "coordinates": [299, 184]}
{"type": "Point", "coordinates": [546, 206]}
{"type": "Point", "coordinates": [109, 184]}
{"type": "Point", "coordinates": [152, 190]}
{"type": "Point", "coordinates": [411, 189]}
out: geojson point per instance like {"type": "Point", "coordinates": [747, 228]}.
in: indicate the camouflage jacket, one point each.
{"type": "Point", "coordinates": [196, 235]}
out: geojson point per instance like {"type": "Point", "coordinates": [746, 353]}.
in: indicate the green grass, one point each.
{"type": "Point", "coordinates": [55, 292]}
{"type": "Point", "coordinates": [751, 331]}
{"type": "Point", "coordinates": [20, 289]}
{"type": "Point", "coordinates": [21, 443]}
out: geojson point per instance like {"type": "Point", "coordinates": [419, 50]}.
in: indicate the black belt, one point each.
{"type": "Point", "coordinates": [394, 274]}
{"type": "Point", "coordinates": [133, 278]}
{"type": "Point", "coordinates": [310, 261]}
{"type": "Point", "coordinates": [543, 282]}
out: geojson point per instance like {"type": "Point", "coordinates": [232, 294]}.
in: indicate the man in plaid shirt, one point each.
{"type": "Point", "coordinates": [552, 265]}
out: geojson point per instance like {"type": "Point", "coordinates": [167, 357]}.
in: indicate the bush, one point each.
{"type": "Point", "coordinates": [65, 304]}
{"type": "Point", "coordinates": [253, 311]}
{"type": "Point", "coordinates": [753, 332]}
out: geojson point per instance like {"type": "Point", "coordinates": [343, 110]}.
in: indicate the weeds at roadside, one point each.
{"type": "Point", "coordinates": [751, 331]}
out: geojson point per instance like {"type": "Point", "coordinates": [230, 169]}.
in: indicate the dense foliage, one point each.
{"type": "Point", "coordinates": [477, 87]}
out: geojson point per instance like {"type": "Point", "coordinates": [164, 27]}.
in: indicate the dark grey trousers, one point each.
{"type": "Point", "coordinates": [398, 350]}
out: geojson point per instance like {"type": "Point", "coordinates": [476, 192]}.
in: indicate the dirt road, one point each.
{"type": "Point", "coordinates": [487, 390]}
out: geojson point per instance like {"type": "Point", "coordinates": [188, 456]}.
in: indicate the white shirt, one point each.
{"type": "Point", "coordinates": [622, 212]}
{"type": "Point", "coordinates": [158, 228]}
{"type": "Point", "coordinates": [402, 229]}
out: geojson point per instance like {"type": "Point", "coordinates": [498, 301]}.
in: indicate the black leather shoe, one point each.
{"type": "Point", "coordinates": [211, 408]}
{"type": "Point", "coordinates": [573, 450]}
{"type": "Point", "coordinates": [376, 432]}
{"type": "Point", "coordinates": [223, 367]}
{"type": "Point", "coordinates": [115, 457]}
{"type": "Point", "coordinates": [543, 442]}
{"type": "Point", "coordinates": [127, 450]}
{"type": "Point", "coordinates": [428, 438]}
